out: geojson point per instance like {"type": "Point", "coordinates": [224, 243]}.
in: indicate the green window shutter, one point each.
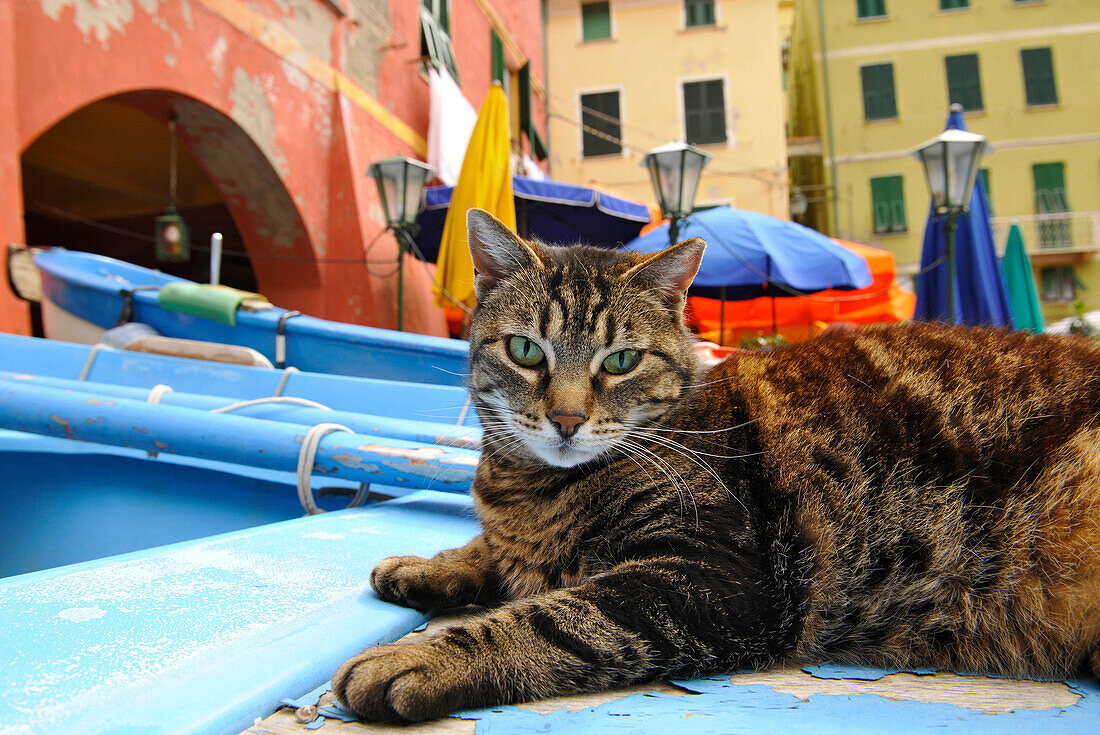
{"type": "Point", "coordinates": [963, 81]}
{"type": "Point", "coordinates": [888, 204]}
{"type": "Point", "coordinates": [953, 4]}
{"type": "Point", "coordinates": [1050, 188]}
{"type": "Point", "coordinates": [879, 102]}
{"type": "Point", "coordinates": [497, 48]}
{"type": "Point", "coordinates": [870, 8]}
{"type": "Point", "coordinates": [1039, 87]}
{"type": "Point", "coordinates": [526, 120]}
{"type": "Point", "coordinates": [704, 112]}
{"type": "Point", "coordinates": [435, 42]}
{"type": "Point", "coordinates": [601, 126]}
{"type": "Point", "coordinates": [1050, 198]}
{"type": "Point", "coordinates": [698, 13]}
{"type": "Point", "coordinates": [596, 20]}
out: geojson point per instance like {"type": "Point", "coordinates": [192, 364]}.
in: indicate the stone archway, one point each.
{"type": "Point", "coordinates": [98, 177]}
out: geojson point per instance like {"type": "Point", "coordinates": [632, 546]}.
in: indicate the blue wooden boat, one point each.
{"type": "Point", "coordinates": [85, 294]}
{"type": "Point", "coordinates": [157, 573]}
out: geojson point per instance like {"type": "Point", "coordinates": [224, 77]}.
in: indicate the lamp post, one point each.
{"type": "Point", "coordinates": [400, 184]}
{"type": "Point", "coordinates": [674, 171]}
{"type": "Point", "coordinates": [950, 162]}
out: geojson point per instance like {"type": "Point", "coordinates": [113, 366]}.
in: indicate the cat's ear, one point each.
{"type": "Point", "coordinates": [497, 252]}
{"type": "Point", "coordinates": [672, 269]}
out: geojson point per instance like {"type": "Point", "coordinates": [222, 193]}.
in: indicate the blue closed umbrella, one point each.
{"type": "Point", "coordinates": [748, 251]}
{"type": "Point", "coordinates": [981, 298]}
{"type": "Point", "coordinates": [551, 211]}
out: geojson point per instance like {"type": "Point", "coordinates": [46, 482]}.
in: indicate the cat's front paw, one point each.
{"type": "Point", "coordinates": [402, 682]}
{"type": "Point", "coordinates": [412, 581]}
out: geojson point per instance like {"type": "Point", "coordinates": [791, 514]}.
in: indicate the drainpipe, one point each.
{"type": "Point", "coordinates": [546, 86]}
{"type": "Point", "coordinates": [828, 116]}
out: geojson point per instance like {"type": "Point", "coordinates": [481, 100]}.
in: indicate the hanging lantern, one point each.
{"type": "Point", "coordinates": [173, 238]}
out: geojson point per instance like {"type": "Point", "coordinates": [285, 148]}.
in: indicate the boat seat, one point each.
{"type": "Point", "coordinates": [199, 350]}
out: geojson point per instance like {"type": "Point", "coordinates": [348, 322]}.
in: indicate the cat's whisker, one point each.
{"type": "Point", "coordinates": [742, 425]}
{"type": "Point", "coordinates": [667, 441]}
{"type": "Point", "coordinates": [674, 477]}
{"type": "Point", "coordinates": [693, 457]}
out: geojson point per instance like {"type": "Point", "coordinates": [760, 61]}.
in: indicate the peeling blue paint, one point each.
{"type": "Point", "coordinates": [721, 707]}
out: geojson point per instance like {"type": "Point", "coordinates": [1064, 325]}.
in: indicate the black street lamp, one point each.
{"type": "Point", "coordinates": [674, 171]}
{"type": "Point", "coordinates": [951, 162]}
{"type": "Point", "coordinates": [400, 184]}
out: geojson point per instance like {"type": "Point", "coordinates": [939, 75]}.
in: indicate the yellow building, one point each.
{"type": "Point", "coordinates": [626, 76]}
{"type": "Point", "coordinates": [872, 79]}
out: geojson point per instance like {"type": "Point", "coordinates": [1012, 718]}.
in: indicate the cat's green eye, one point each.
{"type": "Point", "coordinates": [622, 361]}
{"type": "Point", "coordinates": [524, 351]}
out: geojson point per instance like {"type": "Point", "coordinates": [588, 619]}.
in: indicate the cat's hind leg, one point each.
{"type": "Point", "coordinates": [452, 578]}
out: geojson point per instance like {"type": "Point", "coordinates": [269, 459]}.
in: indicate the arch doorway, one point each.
{"type": "Point", "coordinates": [97, 180]}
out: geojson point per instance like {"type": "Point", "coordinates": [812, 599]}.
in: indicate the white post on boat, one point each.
{"type": "Point", "coordinates": [215, 258]}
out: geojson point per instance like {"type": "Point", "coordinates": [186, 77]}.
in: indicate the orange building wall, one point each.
{"type": "Point", "coordinates": [284, 105]}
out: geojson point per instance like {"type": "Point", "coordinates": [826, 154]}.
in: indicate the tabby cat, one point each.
{"type": "Point", "coordinates": [911, 495]}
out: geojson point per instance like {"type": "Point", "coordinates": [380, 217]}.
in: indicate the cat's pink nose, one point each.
{"type": "Point", "coordinates": [567, 422]}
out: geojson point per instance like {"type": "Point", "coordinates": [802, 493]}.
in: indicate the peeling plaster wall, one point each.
{"type": "Point", "coordinates": [252, 111]}
{"type": "Point", "coordinates": [365, 40]}
{"type": "Point", "coordinates": [312, 23]}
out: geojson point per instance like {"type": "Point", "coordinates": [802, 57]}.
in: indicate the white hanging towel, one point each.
{"type": "Point", "coordinates": [451, 120]}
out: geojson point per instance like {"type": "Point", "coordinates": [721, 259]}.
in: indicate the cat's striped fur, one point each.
{"type": "Point", "coordinates": [903, 496]}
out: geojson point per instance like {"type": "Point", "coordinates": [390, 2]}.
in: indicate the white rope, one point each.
{"type": "Point", "coordinates": [306, 456]}
{"type": "Point", "coordinates": [465, 408]}
{"type": "Point", "coordinates": [271, 399]}
{"type": "Point", "coordinates": [282, 381]}
{"type": "Point", "coordinates": [91, 359]}
{"type": "Point", "coordinates": [158, 392]}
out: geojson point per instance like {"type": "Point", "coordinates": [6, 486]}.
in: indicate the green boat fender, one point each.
{"type": "Point", "coordinates": [217, 303]}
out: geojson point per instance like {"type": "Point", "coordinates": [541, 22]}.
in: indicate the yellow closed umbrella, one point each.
{"type": "Point", "coordinates": [486, 182]}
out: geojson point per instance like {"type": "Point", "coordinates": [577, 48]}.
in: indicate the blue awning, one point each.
{"type": "Point", "coordinates": [551, 211]}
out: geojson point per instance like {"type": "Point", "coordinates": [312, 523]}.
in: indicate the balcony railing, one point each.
{"type": "Point", "coordinates": [1069, 233]}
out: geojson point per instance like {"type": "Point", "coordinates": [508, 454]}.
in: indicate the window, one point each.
{"type": "Point", "coordinates": [878, 92]}
{"type": "Point", "coordinates": [435, 38]}
{"type": "Point", "coordinates": [526, 118]}
{"type": "Point", "coordinates": [888, 204]}
{"type": "Point", "coordinates": [870, 8]}
{"type": "Point", "coordinates": [596, 21]}
{"type": "Point", "coordinates": [704, 112]}
{"type": "Point", "coordinates": [601, 126]}
{"type": "Point", "coordinates": [1059, 283]}
{"type": "Point", "coordinates": [1038, 76]}
{"type": "Point", "coordinates": [954, 4]}
{"type": "Point", "coordinates": [1051, 200]}
{"type": "Point", "coordinates": [698, 13]}
{"type": "Point", "coordinates": [963, 83]}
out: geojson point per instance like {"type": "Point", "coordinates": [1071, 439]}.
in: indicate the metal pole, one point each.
{"type": "Point", "coordinates": [673, 230]}
{"type": "Point", "coordinates": [215, 258]}
{"type": "Point", "coordinates": [400, 235]}
{"type": "Point", "coordinates": [828, 116]}
{"type": "Point", "coordinates": [722, 318]}
{"type": "Point", "coordinates": [949, 226]}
